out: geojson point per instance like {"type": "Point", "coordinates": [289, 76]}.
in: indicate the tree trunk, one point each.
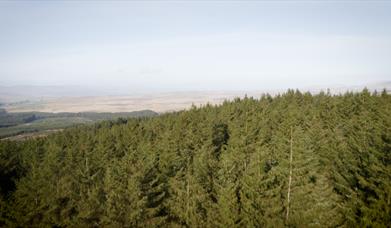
{"type": "Point", "coordinates": [290, 178]}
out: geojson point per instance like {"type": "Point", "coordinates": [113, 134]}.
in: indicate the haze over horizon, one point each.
{"type": "Point", "coordinates": [189, 45]}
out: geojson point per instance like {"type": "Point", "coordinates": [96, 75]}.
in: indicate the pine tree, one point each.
{"type": "Point", "coordinates": [124, 202]}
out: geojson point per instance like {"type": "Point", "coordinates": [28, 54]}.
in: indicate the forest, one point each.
{"type": "Point", "coordinates": [290, 160]}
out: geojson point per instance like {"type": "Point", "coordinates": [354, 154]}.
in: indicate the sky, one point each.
{"type": "Point", "coordinates": [195, 45]}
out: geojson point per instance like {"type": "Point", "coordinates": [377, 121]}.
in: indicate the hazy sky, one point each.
{"type": "Point", "coordinates": [195, 45]}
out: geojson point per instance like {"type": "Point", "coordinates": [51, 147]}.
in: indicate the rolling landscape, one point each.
{"type": "Point", "coordinates": [24, 115]}
{"type": "Point", "coordinates": [45, 99]}
{"type": "Point", "coordinates": [195, 114]}
{"type": "Point", "coordinates": [15, 125]}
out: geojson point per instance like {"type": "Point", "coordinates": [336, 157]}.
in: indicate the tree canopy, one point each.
{"type": "Point", "coordinates": [229, 165]}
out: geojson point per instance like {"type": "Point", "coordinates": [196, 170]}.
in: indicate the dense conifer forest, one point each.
{"type": "Point", "coordinates": [296, 160]}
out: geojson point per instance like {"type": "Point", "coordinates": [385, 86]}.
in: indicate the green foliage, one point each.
{"type": "Point", "coordinates": [212, 166]}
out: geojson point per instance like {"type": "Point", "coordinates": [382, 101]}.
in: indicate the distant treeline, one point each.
{"type": "Point", "coordinates": [15, 118]}
{"type": "Point", "coordinates": [295, 160]}
{"type": "Point", "coordinates": [12, 124]}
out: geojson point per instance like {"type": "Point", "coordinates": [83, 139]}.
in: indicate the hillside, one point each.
{"type": "Point", "coordinates": [296, 160]}
{"type": "Point", "coordinates": [16, 123]}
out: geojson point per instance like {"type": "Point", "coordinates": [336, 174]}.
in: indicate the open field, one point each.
{"type": "Point", "coordinates": [158, 102]}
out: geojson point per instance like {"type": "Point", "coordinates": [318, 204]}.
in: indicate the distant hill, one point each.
{"type": "Point", "coordinates": [25, 122]}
